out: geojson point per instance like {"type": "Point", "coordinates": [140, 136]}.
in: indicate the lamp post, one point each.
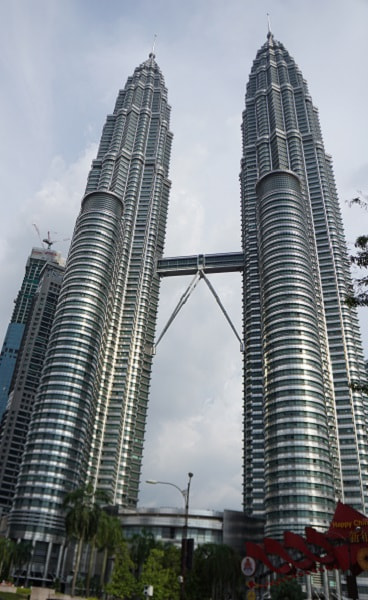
{"type": "Point", "coordinates": [184, 540]}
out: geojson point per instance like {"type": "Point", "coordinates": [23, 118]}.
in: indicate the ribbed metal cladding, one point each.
{"type": "Point", "coordinates": [58, 443]}
{"type": "Point", "coordinates": [298, 478]}
{"type": "Point", "coordinates": [281, 133]}
{"type": "Point", "coordinates": [133, 160]}
{"type": "Point", "coordinates": [97, 371]}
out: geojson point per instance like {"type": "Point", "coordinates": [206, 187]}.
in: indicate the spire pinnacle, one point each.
{"type": "Point", "coordinates": [269, 33]}
{"type": "Point", "coordinates": [152, 53]}
{"type": "Point", "coordinates": [269, 25]}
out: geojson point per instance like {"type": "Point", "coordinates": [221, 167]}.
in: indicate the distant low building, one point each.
{"type": "Point", "coordinates": [229, 527]}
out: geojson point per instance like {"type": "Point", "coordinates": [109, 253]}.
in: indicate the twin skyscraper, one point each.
{"type": "Point", "coordinates": [305, 426]}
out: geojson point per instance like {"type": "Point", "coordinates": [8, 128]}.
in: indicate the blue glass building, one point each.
{"type": "Point", "coordinates": [15, 420]}
{"type": "Point", "coordinates": [23, 302]}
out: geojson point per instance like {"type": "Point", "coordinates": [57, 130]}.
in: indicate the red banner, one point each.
{"type": "Point", "coordinates": [351, 552]}
{"type": "Point", "coordinates": [348, 523]}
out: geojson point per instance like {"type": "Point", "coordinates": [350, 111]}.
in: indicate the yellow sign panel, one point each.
{"type": "Point", "coordinates": [251, 595]}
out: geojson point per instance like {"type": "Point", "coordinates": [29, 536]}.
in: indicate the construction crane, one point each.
{"type": "Point", "coordinates": [47, 240]}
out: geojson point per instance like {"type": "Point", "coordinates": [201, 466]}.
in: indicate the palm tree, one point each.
{"type": "Point", "coordinates": [83, 506]}
{"type": "Point", "coordinates": [140, 546]}
{"type": "Point", "coordinates": [92, 552]}
{"type": "Point", "coordinates": [6, 552]}
{"type": "Point", "coordinates": [21, 555]}
{"type": "Point", "coordinates": [216, 572]}
{"type": "Point", "coordinates": [109, 538]}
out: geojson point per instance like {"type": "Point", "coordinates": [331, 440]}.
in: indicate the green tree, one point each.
{"type": "Point", "coordinates": [172, 557]}
{"type": "Point", "coordinates": [83, 509]}
{"type": "Point", "coordinates": [161, 570]}
{"type": "Point", "coordinates": [287, 590]}
{"type": "Point", "coordinates": [123, 583]}
{"type": "Point", "coordinates": [6, 549]}
{"type": "Point", "coordinates": [215, 574]}
{"type": "Point", "coordinates": [359, 295]}
{"type": "Point", "coordinates": [13, 556]}
{"type": "Point", "coordinates": [140, 546]}
{"type": "Point", "coordinates": [109, 538]}
{"type": "Point", "coordinates": [21, 555]}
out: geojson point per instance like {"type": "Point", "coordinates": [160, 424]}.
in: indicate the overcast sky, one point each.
{"type": "Point", "coordinates": [61, 65]}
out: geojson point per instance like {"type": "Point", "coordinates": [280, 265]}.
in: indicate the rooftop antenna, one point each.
{"type": "Point", "coordinates": [153, 45]}
{"type": "Point", "coordinates": [269, 23]}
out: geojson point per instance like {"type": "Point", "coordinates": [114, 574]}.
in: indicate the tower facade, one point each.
{"type": "Point", "coordinates": [95, 382]}
{"type": "Point", "coordinates": [305, 429]}
{"type": "Point", "coordinates": [23, 302]}
{"type": "Point", "coordinates": [15, 420]}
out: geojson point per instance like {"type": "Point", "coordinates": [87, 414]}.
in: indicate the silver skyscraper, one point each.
{"type": "Point", "coordinates": [305, 442]}
{"type": "Point", "coordinates": [89, 417]}
{"type": "Point", "coordinates": [305, 429]}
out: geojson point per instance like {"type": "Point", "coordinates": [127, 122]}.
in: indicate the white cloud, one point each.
{"type": "Point", "coordinates": [61, 64]}
{"type": "Point", "coordinates": [54, 207]}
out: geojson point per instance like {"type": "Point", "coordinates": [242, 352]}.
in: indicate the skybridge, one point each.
{"type": "Point", "coordinates": [199, 265]}
{"type": "Point", "coordinates": [208, 263]}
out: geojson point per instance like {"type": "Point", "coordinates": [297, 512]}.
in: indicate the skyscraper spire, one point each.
{"type": "Point", "coordinates": [269, 24]}
{"type": "Point", "coordinates": [154, 44]}
{"type": "Point", "coordinates": [95, 381]}
{"type": "Point", "coordinates": [269, 32]}
{"type": "Point", "coordinates": [304, 427]}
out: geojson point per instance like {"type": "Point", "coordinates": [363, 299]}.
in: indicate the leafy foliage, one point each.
{"type": "Point", "coordinates": [159, 567]}
{"type": "Point", "coordinates": [20, 556]}
{"type": "Point", "coordinates": [11, 596]}
{"type": "Point", "coordinates": [216, 573]}
{"type": "Point", "coordinates": [161, 570]}
{"type": "Point", "coordinates": [359, 296]}
{"type": "Point", "coordinates": [140, 547]}
{"type": "Point", "coordinates": [287, 590]}
{"type": "Point", "coordinates": [109, 539]}
{"type": "Point", "coordinates": [6, 549]}
{"type": "Point", "coordinates": [13, 555]}
{"type": "Point", "coordinates": [360, 259]}
{"type": "Point", "coordinates": [123, 583]}
{"type": "Point", "coordinates": [84, 509]}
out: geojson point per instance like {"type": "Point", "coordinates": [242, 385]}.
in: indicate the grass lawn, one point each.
{"type": "Point", "coordinates": [11, 596]}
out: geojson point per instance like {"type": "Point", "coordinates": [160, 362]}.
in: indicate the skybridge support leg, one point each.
{"type": "Point", "coordinates": [193, 284]}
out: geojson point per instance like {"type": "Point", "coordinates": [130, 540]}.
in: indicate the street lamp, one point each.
{"type": "Point", "coordinates": [184, 542]}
